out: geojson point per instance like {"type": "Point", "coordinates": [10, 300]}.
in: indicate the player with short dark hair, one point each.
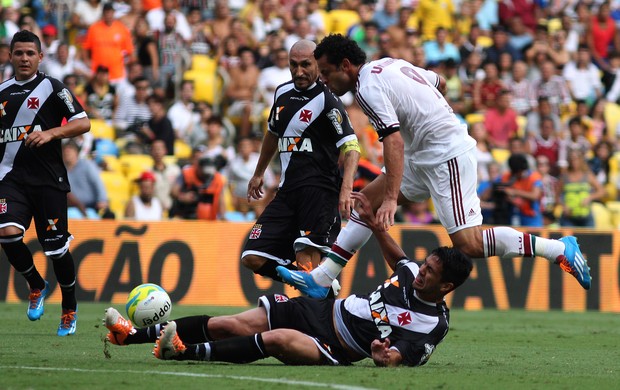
{"type": "Point", "coordinates": [33, 177]}
{"type": "Point", "coordinates": [309, 129]}
{"type": "Point", "coordinates": [401, 322]}
{"type": "Point", "coordinates": [428, 154]}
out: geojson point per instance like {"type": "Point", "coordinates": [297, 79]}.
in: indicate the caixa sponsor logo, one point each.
{"type": "Point", "coordinates": [294, 144]}
{"type": "Point", "coordinates": [157, 315]}
{"type": "Point", "coordinates": [17, 133]}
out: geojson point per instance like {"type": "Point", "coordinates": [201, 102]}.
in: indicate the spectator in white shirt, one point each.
{"type": "Point", "coordinates": [182, 113]}
{"type": "Point", "coordinates": [583, 76]}
{"type": "Point", "coordinates": [269, 78]}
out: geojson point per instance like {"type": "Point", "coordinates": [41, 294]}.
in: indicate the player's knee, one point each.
{"type": "Point", "coordinates": [252, 262]}
{"type": "Point", "coordinates": [58, 255]}
{"type": "Point", "coordinates": [471, 248]}
{"type": "Point", "coordinates": [11, 239]}
{"type": "Point", "coordinates": [469, 241]}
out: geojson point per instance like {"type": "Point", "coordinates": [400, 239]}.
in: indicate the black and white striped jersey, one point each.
{"type": "Point", "coordinates": [311, 125]}
{"type": "Point", "coordinates": [393, 311]}
{"type": "Point", "coordinates": [38, 104]}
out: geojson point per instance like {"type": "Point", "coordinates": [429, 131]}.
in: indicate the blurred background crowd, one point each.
{"type": "Point", "coordinates": [179, 92]}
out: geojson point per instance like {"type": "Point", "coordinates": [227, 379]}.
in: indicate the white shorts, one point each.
{"type": "Point", "coordinates": [452, 187]}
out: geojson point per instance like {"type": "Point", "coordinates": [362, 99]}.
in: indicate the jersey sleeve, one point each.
{"type": "Point", "coordinates": [414, 354]}
{"type": "Point", "coordinates": [379, 110]}
{"type": "Point", "coordinates": [66, 102]}
{"type": "Point", "coordinates": [430, 76]}
{"type": "Point", "coordinates": [339, 120]}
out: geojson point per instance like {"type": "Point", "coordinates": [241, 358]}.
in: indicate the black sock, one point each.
{"type": "Point", "coordinates": [145, 335]}
{"type": "Point", "coordinates": [21, 259]}
{"type": "Point", "coordinates": [64, 268]}
{"type": "Point", "coordinates": [243, 349]}
{"type": "Point", "coordinates": [194, 329]}
{"type": "Point", "coordinates": [269, 270]}
{"type": "Point", "coordinates": [191, 330]}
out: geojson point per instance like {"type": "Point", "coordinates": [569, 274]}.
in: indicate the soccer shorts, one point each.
{"type": "Point", "coordinates": [306, 216]}
{"type": "Point", "coordinates": [452, 187]}
{"type": "Point", "coordinates": [312, 317]}
{"type": "Point", "coordinates": [19, 204]}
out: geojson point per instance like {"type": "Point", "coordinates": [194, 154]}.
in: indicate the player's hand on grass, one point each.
{"type": "Point", "coordinates": [255, 188]}
{"type": "Point", "coordinates": [381, 353]}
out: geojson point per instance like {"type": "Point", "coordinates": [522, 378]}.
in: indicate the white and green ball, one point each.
{"type": "Point", "coordinates": [148, 304]}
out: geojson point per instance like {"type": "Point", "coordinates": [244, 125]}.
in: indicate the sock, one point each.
{"type": "Point", "coordinates": [194, 329]}
{"type": "Point", "coordinates": [351, 238]}
{"type": "Point", "coordinates": [269, 270]}
{"type": "Point", "coordinates": [145, 335]}
{"type": "Point", "coordinates": [64, 268]}
{"type": "Point", "coordinates": [243, 349]}
{"type": "Point", "coordinates": [21, 259]}
{"type": "Point", "coordinates": [508, 242]}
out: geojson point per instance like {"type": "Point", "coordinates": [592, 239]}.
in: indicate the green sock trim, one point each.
{"type": "Point", "coordinates": [337, 259]}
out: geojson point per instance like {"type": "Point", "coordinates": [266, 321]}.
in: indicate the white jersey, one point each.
{"type": "Point", "coordinates": [395, 95]}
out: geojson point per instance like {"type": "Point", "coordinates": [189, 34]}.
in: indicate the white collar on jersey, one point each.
{"type": "Point", "coordinates": [22, 82]}
{"type": "Point", "coordinates": [307, 89]}
{"type": "Point", "coordinates": [415, 294]}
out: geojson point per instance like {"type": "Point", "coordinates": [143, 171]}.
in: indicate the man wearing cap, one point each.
{"type": "Point", "coordinates": [144, 206]}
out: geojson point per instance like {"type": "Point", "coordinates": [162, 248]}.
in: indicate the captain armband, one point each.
{"type": "Point", "coordinates": [350, 145]}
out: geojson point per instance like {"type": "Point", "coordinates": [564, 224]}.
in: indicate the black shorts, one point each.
{"type": "Point", "coordinates": [307, 216]}
{"type": "Point", "coordinates": [313, 317]}
{"type": "Point", "coordinates": [47, 205]}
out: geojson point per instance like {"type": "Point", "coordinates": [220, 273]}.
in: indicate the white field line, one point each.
{"type": "Point", "coordinates": [198, 375]}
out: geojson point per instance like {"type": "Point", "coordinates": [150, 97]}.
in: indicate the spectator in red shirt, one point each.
{"type": "Point", "coordinates": [501, 121]}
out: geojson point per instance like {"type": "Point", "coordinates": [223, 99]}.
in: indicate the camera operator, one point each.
{"type": "Point", "coordinates": [198, 192]}
{"type": "Point", "coordinates": [517, 195]}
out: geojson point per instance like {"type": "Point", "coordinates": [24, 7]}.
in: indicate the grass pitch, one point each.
{"type": "Point", "coordinates": [484, 350]}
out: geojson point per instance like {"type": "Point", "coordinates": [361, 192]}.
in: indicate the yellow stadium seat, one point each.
{"type": "Point", "coordinates": [118, 189]}
{"type": "Point", "coordinates": [340, 20]}
{"type": "Point", "coordinates": [614, 209]}
{"type": "Point", "coordinates": [100, 129]}
{"type": "Point", "coordinates": [602, 216]}
{"type": "Point", "coordinates": [484, 41]}
{"type": "Point", "coordinates": [522, 123]}
{"type": "Point", "coordinates": [112, 164]}
{"type": "Point", "coordinates": [208, 86]}
{"type": "Point", "coordinates": [182, 150]}
{"type": "Point", "coordinates": [134, 164]}
{"type": "Point", "coordinates": [500, 155]}
{"type": "Point", "coordinates": [612, 118]}
{"type": "Point", "coordinates": [203, 63]}
{"type": "Point", "coordinates": [170, 160]}
{"type": "Point", "coordinates": [474, 118]}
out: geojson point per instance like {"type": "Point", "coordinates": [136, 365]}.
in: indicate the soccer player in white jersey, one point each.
{"type": "Point", "coordinates": [427, 153]}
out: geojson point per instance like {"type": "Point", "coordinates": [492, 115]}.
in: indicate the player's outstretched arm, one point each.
{"type": "Point", "coordinates": [392, 252]}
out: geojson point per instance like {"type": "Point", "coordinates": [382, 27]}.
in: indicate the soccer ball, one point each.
{"type": "Point", "coordinates": [148, 304]}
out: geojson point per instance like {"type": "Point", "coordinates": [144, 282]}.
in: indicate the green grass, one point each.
{"type": "Point", "coordinates": [484, 350]}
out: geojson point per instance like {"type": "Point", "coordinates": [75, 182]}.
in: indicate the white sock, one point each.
{"type": "Point", "coordinates": [351, 238]}
{"type": "Point", "coordinates": [508, 242]}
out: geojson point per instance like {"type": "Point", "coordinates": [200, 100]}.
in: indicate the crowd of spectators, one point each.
{"type": "Point", "coordinates": [536, 81]}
